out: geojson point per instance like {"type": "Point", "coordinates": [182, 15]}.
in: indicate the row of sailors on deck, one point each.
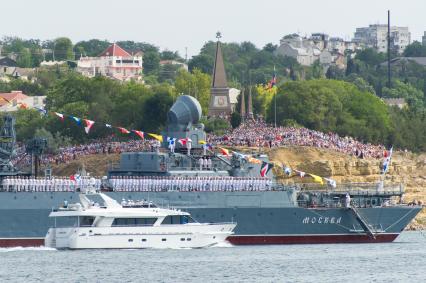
{"type": "Point", "coordinates": [57, 184]}
{"type": "Point", "coordinates": [189, 184]}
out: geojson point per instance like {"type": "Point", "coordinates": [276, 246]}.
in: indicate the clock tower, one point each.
{"type": "Point", "coordinates": [220, 103]}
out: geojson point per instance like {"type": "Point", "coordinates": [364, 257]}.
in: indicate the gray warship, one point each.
{"type": "Point", "coordinates": [269, 213]}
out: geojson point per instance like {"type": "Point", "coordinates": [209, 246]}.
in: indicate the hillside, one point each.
{"type": "Point", "coordinates": [406, 168]}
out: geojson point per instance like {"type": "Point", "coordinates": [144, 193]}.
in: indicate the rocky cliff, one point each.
{"type": "Point", "coordinates": [406, 168]}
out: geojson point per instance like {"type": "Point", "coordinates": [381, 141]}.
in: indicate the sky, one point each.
{"type": "Point", "coordinates": [180, 24]}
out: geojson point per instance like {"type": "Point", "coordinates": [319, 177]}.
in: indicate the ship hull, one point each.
{"type": "Point", "coordinates": [261, 217]}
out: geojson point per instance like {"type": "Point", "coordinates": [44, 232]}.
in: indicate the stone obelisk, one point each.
{"type": "Point", "coordinates": [243, 107]}
{"type": "Point", "coordinates": [220, 104]}
{"type": "Point", "coordinates": [250, 105]}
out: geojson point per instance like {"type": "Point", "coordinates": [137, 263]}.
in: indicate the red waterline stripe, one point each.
{"type": "Point", "coordinates": [21, 242]}
{"type": "Point", "coordinates": [309, 239]}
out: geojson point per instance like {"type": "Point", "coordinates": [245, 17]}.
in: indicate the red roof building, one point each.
{"type": "Point", "coordinates": [14, 100]}
{"type": "Point", "coordinates": [115, 50]}
{"type": "Point", "coordinates": [113, 62]}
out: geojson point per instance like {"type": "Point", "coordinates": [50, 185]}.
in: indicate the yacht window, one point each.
{"type": "Point", "coordinates": [66, 221]}
{"type": "Point", "coordinates": [178, 219]}
{"type": "Point", "coordinates": [182, 239]}
{"type": "Point", "coordinates": [188, 239]}
{"type": "Point", "coordinates": [134, 221]}
{"type": "Point", "coordinates": [143, 240]}
{"type": "Point", "coordinates": [130, 240]}
{"type": "Point", "coordinates": [164, 239]}
{"type": "Point", "coordinates": [86, 221]}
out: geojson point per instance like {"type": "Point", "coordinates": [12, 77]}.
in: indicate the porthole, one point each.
{"type": "Point", "coordinates": [182, 239]}
{"type": "Point", "coordinates": [51, 197]}
{"type": "Point", "coordinates": [35, 197]}
{"type": "Point", "coordinates": [130, 240]}
{"type": "Point", "coordinates": [164, 239]}
{"type": "Point", "coordinates": [143, 240]}
{"type": "Point", "coordinates": [188, 239]}
{"type": "Point", "coordinates": [198, 196]}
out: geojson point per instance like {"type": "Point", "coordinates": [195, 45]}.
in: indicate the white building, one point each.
{"type": "Point", "coordinates": [308, 50]}
{"type": "Point", "coordinates": [375, 36]}
{"type": "Point", "coordinates": [114, 62]}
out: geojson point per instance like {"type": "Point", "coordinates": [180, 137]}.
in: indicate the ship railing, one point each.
{"type": "Point", "coordinates": [357, 189]}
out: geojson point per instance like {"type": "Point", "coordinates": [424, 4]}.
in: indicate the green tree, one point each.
{"type": "Point", "coordinates": [63, 49]}
{"type": "Point", "coordinates": [413, 96]}
{"type": "Point", "coordinates": [329, 105]}
{"type": "Point", "coordinates": [415, 49]}
{"type": "Point", "coordinates": [196, 84]}
{"type": "Point", "coordinates": [92, 47]}
{"type": "Point", "coordinates": [151, 63]}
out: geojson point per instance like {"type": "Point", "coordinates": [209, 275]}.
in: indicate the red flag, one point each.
{"type": "Point", "coordinates": [139, 133]}
{"type": "Point", "coordinates": [224, 151]}
{"type": "Point", "coordinates": [182, 141]}
{"type": "Point", "coordinates": [72, 177]}
{"type": "Point", "coordinates": [89, 124]}
{"type": "Point", "coordinates": [123, 130]}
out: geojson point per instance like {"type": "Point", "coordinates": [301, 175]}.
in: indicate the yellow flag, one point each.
{"type": "Point", "coordinates": [202, 142]}
{"type": "Point", "coordinates": [254, 160]}
{"type": "Point", "coordinates": [317, 179]}
{"type": "Point", "coordinates": [157, 137]}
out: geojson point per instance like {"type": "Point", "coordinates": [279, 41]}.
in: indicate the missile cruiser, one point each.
{"type": "Point", "coordinates": [266, 211]}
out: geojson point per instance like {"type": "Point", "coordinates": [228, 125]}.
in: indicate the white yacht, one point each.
{"type": "Point", "coordinates": [88, 225]}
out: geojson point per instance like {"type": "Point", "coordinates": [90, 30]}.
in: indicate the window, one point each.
{"type": "Point", "coordinates": [178, 219]}
{"type": "Point", "coordinates": [86, 221]}
{"type": "Point", "coordinates": [134, 221]}
{"type": "Point", "coordinates": [130, 240]}
{"type": "Point", "coordinates": [164, 239]}
{"type": "Point", "coordinates": [67, 221]}
{"type": "Point", "coordinates": [143, 240]}
{"type": "Point", "coordinates": [182, 239]}
{"type": "Point", "coordinates": [188, 239]}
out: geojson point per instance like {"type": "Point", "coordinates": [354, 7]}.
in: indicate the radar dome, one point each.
{"type": "Point", "coordinates": [185, 110]}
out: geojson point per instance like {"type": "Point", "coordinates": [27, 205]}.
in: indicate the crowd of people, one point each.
{"type": "Point", "coordinates": [56, 184]}
{"type": "Point", "coordinates": [256, 133]}
{"type": "Point", "coordinates": [68, 153]}
{"type": "Point", "coordinates": [260, 134]}
{"type": "Point", "coordinates": [187, 184]}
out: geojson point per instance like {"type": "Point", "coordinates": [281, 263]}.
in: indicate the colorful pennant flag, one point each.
{"type": "Point", "coordinates": [301, 173]}
{"type": "Point", "coordinates": [76, 119]}
{"type": "Point", "coordinates": [139, 133]}
{"type": "Point", "coordinates": [61, 116]}
{"type": "Point", "coordinates": [157, 137]}
{"type": "Point", "coordinates": [224, 151]}
{"type": "Point", "coordinates": [253, 160]}
{"type": "Point", "coordinates": [202, 142]}
{"type": "Point", "coordinates": [42, 111]}
{"type": "Point", "coordinates": [287, 171]}
{"type": "Point", "coordinates": [264, 169]}
{"type": "Point", "coordinates": [331, 182]}
{"type": "Point", "coordinates": [123, 130]}
{"type": "Point", "coordinates": [89, 125]}
{"type": "Point", "coordinates": [317, 179]}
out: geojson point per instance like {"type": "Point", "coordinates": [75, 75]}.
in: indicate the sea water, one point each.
{"type": "Point", "coordinates": [401, 261]}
